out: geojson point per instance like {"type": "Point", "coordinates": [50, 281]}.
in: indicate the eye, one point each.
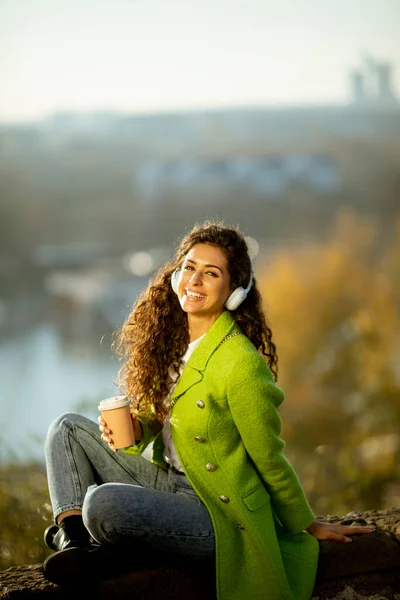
{"type": "Point", "coordinates": [187, 267]}
{"type": "Point", "coordinates": [212, 273]}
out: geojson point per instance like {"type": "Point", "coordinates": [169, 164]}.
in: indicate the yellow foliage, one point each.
{"type": "Point", "coordinates": [334, 310]}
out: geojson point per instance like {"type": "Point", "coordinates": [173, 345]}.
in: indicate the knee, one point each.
{"type": "Point", "coordinates": [97, 512]}
{"type": "Point", "coordinates": [60, 424]}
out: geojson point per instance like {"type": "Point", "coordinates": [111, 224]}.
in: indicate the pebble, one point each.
{"type": "Point", "coordinates": [349, 594]}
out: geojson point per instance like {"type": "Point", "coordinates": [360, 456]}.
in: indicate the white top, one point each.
{"type": "Point", "coordinates": [170, 454]}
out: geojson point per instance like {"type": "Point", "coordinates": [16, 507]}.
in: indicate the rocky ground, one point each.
{"type": "Point", "coordinates": [367, 569]}
{"type": "Point", "coordinates": [387, 520]}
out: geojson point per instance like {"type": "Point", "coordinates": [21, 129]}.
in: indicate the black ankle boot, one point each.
{"type": "Point", "coordinates": [76, 556]}
{"type": "Point", "coordinates": [80, 560]}
{"type": "Point", "coordinates": [75, 565]}
{"type": "Point", "coordinates": [70, 534]}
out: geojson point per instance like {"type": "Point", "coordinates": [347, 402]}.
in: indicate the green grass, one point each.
{"type": "Point", "coordinates": [25, 512]}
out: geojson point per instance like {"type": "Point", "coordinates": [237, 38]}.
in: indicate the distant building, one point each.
{"type": "Point", "coordinates": [270, 175]}
{"type": "Point", "coordinates": [372, 84]}
{"type": "Point", "coordinates": [357, 84]}
{"type": "Point", "coordinates": [384, 81]}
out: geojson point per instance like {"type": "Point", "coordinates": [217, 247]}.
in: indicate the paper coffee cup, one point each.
{"type": "Point", "coordinates": [117, 415]}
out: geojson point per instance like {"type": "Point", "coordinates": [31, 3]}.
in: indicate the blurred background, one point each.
{"type": "Point", "coordinates": [122, 123]}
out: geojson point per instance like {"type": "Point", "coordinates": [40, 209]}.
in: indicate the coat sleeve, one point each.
{"type": "Point", "coordinates": [253, 399]}
{"type": "Point", "coordinates": [149, 434]}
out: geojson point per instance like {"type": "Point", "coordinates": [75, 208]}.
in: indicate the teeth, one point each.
{"type": "Point", "coordinates": [194, 294]}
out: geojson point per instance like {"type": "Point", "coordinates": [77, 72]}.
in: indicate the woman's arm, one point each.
{"type": "Point", "coordinates": [253, 401]}
{"type": "Point", "coordinates": [253, 398]}
{"type": "Point", "coordinates": [146, 430]}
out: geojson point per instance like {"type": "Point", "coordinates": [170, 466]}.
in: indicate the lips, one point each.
{"type": "Point", "coordinates": [194, 295]}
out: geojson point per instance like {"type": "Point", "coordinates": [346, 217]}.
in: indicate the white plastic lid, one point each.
{"type": "Point", "coordinates": [113, 402]}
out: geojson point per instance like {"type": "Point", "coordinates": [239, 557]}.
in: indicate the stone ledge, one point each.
{"type": "Point", "coordinates": [162, 583]}
{"type": "Point", "coordinates": [368, 568]}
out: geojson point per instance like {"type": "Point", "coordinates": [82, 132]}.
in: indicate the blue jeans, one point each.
{"type": "Point", "coordinates": [124, 499]}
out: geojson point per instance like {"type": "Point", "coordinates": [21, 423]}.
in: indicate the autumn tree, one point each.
{"type": "Point", "coordinates": [334, 309]}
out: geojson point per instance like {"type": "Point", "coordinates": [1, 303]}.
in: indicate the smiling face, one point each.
{"type": "Point", "coordinates": [204, 283]}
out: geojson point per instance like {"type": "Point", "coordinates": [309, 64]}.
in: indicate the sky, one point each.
{"type": "Point", "coordinates": [141, 56]}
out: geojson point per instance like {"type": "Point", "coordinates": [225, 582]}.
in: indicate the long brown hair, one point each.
{"type": "Point", "coordinates": [155, 335]}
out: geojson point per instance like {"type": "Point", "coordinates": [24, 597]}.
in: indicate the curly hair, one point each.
{"type": "Point", "coordinates": [155, 335]}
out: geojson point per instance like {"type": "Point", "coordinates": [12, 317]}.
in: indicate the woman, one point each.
{"type": "Point", "coordinates": [200, 368]}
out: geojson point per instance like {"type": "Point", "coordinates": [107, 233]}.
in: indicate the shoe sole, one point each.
{"type": "Point", "coordinates": [72, 565]}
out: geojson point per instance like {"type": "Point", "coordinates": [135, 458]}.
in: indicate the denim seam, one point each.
{"type": "Point", "coordinates": [135, 476]}
{"type": "Point", "coordinates": [69, 430]}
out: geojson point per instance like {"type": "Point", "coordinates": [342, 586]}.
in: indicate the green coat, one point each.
{"type": "Point", "coordinates": [226, 396]}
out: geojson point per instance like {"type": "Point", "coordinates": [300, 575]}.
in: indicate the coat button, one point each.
{"type": "Point", "coordinates": [210, 467]}
{"type": "Point", "coordinates": [224, 499]}
{"type": "Point", "coordinates": [200, 403]}
{"type": "Point", "coordinates": [198, 438]}
{"type": "Point", "coordinates": [240, 526]}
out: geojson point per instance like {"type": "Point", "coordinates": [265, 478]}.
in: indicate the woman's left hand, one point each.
{"type": "Point", "coordinates": [332, 531]}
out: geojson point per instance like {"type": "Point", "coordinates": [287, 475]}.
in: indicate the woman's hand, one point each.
{"type": "Point", "coordinates": [106, 433]}
{"type": "Point", "coordinates": [333, 531]}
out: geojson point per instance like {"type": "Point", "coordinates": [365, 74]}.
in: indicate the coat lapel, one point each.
{"type": "Point", "coordinates": [193, 371]}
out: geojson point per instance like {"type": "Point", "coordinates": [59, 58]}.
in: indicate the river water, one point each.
{"type": "Point", "coordinates": [56, 355]}
{"type": "Point", "coordinates": [41, 377]}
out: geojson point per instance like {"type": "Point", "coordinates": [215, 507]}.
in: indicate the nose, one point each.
{"type": "Point", "coordinates": [196, 278]}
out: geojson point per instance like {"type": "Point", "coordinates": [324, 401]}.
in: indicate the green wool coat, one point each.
{"type": "Point", "coordinates": [225, 427]}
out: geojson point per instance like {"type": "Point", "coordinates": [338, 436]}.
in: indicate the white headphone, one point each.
{"type": "Point", "coordinates": [233, 301]}
{"type": "Point", "coordinates": [238, 296]}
